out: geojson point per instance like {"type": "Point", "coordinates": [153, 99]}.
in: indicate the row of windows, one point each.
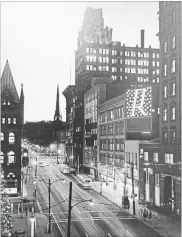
{"type": "Point", "coordinates": [127, 53]}
{"type": "Point", "coordinates": [131, 158]}
{"type": "Point", "coordinates": [8, 120]}
{"type": "Point", "coordinates": [109, 130]}
{"type": "Point", "coordinates": [172, 90]}
{"type": "Point", "coordinates": [90, 98]}
{"type": "Point", "coordinates": [11, 157]}
{"type": "Point", "coordinates": [117, 145]}
{"type": "Point", "coordinates": [172, 134]}
{"type": "Point", "coordinates": [173, 68]}
{"type": "Point", "coordinates": [112, 114]}
{"type": "Point", "coordinates": [11, 138]}
{"type": "Point", "coordinates": [110, 160]}
{"type": "Point", "coordinates": [172, 113]}
{"type": "Point", "coordinates": [168, 157]}
{"type": "Point", "coordinates": [6, 102]}
{"type": "Point", "coordinates": [173, 44]}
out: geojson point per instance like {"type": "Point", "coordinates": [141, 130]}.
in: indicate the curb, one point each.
{"type": "Point", "coordinates": [164, 234]}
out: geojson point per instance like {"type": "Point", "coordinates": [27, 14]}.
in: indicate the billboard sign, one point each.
{"type": "Point", "coordinates": [139, 102]}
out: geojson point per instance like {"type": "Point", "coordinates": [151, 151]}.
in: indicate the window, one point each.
{"type": "Point", "coordinates": [165, 70]}
{"type": "Point", "coordinates": [114, 69]}
{"type": "Point", "coordinates": [173, 89]}
{"type": "Point", "coordinates": [11, 157]}
{"type": "Point", "coordinates": [111, 129]}
{"type": "Point", "coordinates": [165, 47]}
{"type": "Point", "coordinates": [11, 138]}
{"type": "Point", "coordinates": [156, 178]}
{"type": "Point", "coordinates": [9, 120]}
{"type": "Point", "coordinates": [153, 63]}
{"type": "Point", "coordinates": [173, 112]}
{"type": "Point", "coordinates": [173, 137]}
{"type": "Point", "coordinates": [165, 114]}
{"type": "Point", "coordinates": [111, 144]}
{"type": "Point", "coordinates": [4, 102]}
{"type": "Point", "coordinates": [165, 91]}
{"type": "Point", "coordinates": [173, 66]}
{"type": "Point", "coordinates": [8, 102]}
{"type": "Point", "coordinates": [110, 115]}
{"type": "Point", "coordinates": [2, 157]}
{"type": "Point", "coordinates": [165, 138]}
{"type": "Point", "coordinates": [173, 42]}
{"type": "Point", "coordinates": [114, 52]}
{"type": "Point", "coordinates": [146, 156]}
{"type": "Point", "coordinates": [121, 78]}
{"type": "Point", "coordinates": [114, 60]}
{"type": "Point", "coordinates": [3, 120]}
{"type": "Point", "coordinates": [2, 136]}
{"type": "Point", "coordinates": [169, 158]}
{"type": "Point", "coordinates": [156, 157]}
{"type": "Point", "coordinates": [157, 64]}
{"type": "Point", "coordinates": [114, 78]}
{"type": "Point", "coordinates": [174, 16]}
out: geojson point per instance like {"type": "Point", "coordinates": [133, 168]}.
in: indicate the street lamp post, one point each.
{"type": "Point", "coordinates": [133, 190]}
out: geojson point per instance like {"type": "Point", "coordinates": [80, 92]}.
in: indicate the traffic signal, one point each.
{"type": "Point", "coordinates": [25, 159]}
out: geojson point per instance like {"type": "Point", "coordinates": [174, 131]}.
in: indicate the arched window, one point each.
{"type": "Point", "coordinates": [11, 157]}
{"type": "Point", "coordinates": [2, 136]}
{"type": "Point", "coordinates": [11, 138]}
{"type": "Point", "coordinates": [11, 180]}
{"type": "Point", "coordinates": [2, 157]}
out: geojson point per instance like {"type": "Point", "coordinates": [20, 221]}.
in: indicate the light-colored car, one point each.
{"type": "Point", "coordinates": [43, 164]}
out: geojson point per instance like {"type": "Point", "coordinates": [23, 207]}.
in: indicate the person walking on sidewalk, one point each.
{"type": "Point", "coordinates": [150, 216]}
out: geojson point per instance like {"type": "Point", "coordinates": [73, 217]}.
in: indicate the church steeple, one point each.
{"type": "Point", "coordinates": [22, 94]}
{"type": "Point", "coordinates": [57, 115]}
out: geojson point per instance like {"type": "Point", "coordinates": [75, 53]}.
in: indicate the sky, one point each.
{"type": "Point", "coordinates": [39, 40]}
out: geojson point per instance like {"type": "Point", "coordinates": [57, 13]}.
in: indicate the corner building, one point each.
{"type": "Point", "coordinates": [12, 120]}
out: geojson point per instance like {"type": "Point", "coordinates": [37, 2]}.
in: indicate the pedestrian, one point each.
{"type": "Point", "coordinates": [141, 212]}
{"type": "Point", "coordinates": [16, 234]}
{"type": "Point", "coordinates": [150, 215]}
{"type": "Point", "coordinates": [26, 211]}
{"type": "Point", "coordinates": [19, 209]}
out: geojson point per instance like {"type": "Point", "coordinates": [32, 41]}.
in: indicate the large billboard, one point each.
{"type": "Point", "coordinates": [139, 109]}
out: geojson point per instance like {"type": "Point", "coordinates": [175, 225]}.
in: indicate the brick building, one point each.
{"type": "Point", "coordinates": [162, 160]}
{"type": "Point", "coordinates": [12, 120]}
{"type": "Point", "coordinates": [111, 139]}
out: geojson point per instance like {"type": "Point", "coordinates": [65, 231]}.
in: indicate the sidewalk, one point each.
{"type": "Point", "coordinates": [21, 222]}
{"type": "Point", "coordinates": [165, 225]}
{"type": "Point", "coordinates": [23, 225]}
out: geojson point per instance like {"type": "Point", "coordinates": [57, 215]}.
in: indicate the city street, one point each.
{"type": "Point", "coordinates": [100, 219]}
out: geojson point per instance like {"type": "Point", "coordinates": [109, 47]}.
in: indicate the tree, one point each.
{"type": "Point", "coordinates": [6, 212]}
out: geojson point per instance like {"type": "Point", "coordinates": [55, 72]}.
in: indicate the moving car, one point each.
{"type": "Point", "coordinates": [64, 169]}
{"type": "Point", "coordinates": [84, 181]}
{"type": "Point", "coordinates": [43, 164]}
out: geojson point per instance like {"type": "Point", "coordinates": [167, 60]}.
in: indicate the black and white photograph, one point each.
{"type": "Point", "coordinates": [90, 118]}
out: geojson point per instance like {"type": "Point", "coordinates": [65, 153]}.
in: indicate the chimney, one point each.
{"type": "Point", "coordinates": [142, 38]}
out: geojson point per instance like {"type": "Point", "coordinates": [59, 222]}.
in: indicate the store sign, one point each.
{"type": "Point", "coordinates": [11, 190]}
{"type": "Point", "coordinates": [139, 102]}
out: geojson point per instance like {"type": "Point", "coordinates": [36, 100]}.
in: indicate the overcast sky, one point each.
{"type": "Point", "coordinates": [39, 40]}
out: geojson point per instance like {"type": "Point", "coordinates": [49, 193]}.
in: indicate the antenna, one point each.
{"type": "Point", "coordinates": [70, 72]}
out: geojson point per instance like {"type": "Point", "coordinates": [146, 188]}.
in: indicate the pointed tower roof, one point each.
{"type": "Point", "coordinates": [22, 93]}
{"type": "Point", "coordinates": [57, 115]}
{"type": "Point", "coordinates": [7, 83]}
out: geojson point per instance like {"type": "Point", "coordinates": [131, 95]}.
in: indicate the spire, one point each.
{"type": "Point", "coordinates": [57, 115]}
{"type": "Point", "coordinates": [7, 84]}
{"type": "Point", "coordinates": [22, 93]}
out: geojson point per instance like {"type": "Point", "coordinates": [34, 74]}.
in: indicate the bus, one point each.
{"type": "Point", "coordinates": [84, 181]}
{"type": "Point", "coordinates": [64, 169]}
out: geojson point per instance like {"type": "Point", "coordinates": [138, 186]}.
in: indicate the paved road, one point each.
{"type": "Point", "coordinates": [100, 220]}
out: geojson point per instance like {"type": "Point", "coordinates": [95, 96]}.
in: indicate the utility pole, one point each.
{"type": "Point", "coordinates": [36, 177]}
{"type": "Point", "coordinates": [133, 190]}
{"type": "Point", "coordinates": [69, 209]}
{"type": "Point", "coordinates": [78, 165]}
{"type": "Point", "coordinates": [49, 190]}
